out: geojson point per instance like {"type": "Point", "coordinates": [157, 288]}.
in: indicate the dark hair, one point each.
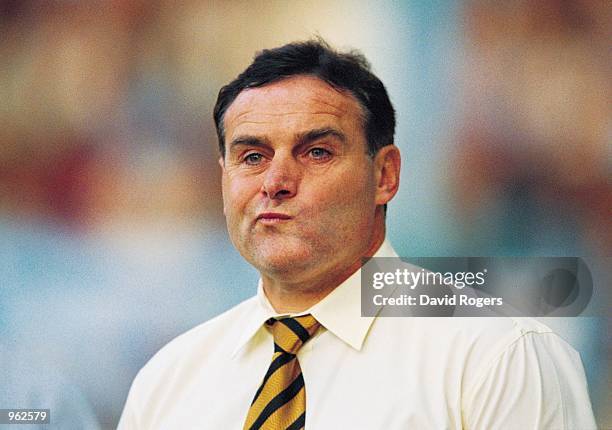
{"type": "Point", "coordinates": [344, 71]}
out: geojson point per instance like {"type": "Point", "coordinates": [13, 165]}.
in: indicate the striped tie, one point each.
{"type": "Point", "coordinates": [280, 401]}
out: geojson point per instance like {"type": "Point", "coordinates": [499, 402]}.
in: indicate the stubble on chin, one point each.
{"type": "Point", "coordinates": [279, 256]}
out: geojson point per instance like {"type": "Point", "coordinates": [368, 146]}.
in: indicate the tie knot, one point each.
{"type": "Point", "coordinates": [291, 333]}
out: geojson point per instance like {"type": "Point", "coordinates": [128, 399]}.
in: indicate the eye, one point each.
{"type": "Point", "coordinates": [319, 153]}
{"type": "Point", "coordinates": [253, 159]}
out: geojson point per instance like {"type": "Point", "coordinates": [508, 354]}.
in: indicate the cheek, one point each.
{"type": "Point", "coordinates": [237, 194]}
{"type": "Point", "coordinates": [347, 196]}
{"type": "Point", "coordinates": [355, 187]}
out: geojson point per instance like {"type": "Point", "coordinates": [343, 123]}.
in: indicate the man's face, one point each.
{"type": "Point", "coordinates": [299, 189]}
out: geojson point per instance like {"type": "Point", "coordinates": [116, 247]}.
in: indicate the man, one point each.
{"type": "Point", "coordinates": [308, 165]}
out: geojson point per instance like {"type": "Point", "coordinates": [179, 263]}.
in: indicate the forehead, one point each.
{"type": "Point", "coordinates": [292, 103]}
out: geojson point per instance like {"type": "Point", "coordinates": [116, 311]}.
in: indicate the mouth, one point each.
{"type": "Point", "coordinates": [272, 218]}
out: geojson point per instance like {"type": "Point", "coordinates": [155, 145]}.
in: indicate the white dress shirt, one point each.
{"type": "Point", "coordinates": [368, 373]}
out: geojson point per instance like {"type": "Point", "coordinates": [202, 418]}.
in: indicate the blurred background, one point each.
{"type": "Point", "coordinates": [112, 238]}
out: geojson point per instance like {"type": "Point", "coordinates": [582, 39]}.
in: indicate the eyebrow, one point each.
{"type": "Point", "coordinates": [319, 133]}
{"type": "Point", "coordinates": [249, 141]}
{"type": "Point", "coordinates": [302, 138]}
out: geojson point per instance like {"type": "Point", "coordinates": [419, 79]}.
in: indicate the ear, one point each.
{"type": "Point", "coordinates": [222, 164]}
{"type": "Point", "coordinates": [387, 163]}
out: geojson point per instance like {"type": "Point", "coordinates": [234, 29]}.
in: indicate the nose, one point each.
{"type": "Point", "coordinates": [281, 177]}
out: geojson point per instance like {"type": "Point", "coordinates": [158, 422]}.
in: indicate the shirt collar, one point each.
{"type": "Point", "coordinates": [339, 312]}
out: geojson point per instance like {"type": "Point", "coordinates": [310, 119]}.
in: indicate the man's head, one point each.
{"type": "Point", "coordinates": [343, 71]}
{"type": "Point", "coordinates": [304, 183]}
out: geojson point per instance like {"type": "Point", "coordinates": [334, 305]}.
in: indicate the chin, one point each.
{"type": "Point", "coordinates": [281, 259]}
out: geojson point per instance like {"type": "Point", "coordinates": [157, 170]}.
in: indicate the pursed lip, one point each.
{"type": "Point", "coordinates": [272, 217]}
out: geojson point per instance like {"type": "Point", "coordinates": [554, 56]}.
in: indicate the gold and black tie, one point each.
{"type": "Point", "coordinates": [280, 401]}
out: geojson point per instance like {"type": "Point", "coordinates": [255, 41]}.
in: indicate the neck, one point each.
{"type": "Point", "coordinates": [293, 297]}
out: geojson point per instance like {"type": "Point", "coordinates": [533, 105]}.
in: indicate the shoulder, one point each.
{"type": "Point", "coordinates": [159, 384]}
{"type": "Point", "coordinates": [482, 341]}
{"type": "Point", "coordinates": [497, 334]}
{"type": "Point", "coordinates": [532, 376]}
{"type": "Point", "coordinates": [467, 346]}
{"type": "Point", "coordinates": [212, 339]}
{"type": "Point", "coordinates": [488, 332]}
